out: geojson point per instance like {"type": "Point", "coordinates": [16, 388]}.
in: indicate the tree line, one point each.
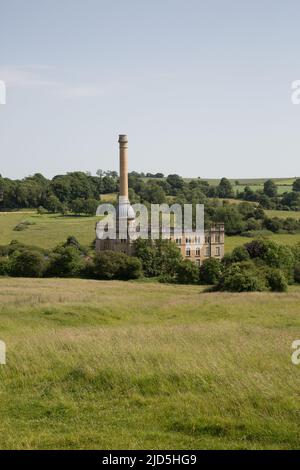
{"type": "Point", "coordinates": [260, 265]}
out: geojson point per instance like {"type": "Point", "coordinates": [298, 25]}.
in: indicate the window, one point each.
{"type": "Point", "coordinates": [197, 251]}
{"type": "Point", "coordinates": [198, 262]}
{"type": "Point", "coordinates": [188, 240]}
{"type": "Point", "coordinates": [178, 241]}
{"type": "Point", "coordinates": [207, 239]}
{"type": "Point", "coordinates": [207, 251]}
{"type": "Point", "coordinates": [217, 239]}
{"type": "Point", "coordinates": [217, 251]}
{"type": "Point", "coordinates": [188, 252]}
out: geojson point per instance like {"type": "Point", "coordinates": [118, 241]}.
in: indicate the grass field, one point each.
{"type": "Point", "coordinates": [50, 229]}
{"type": "Point", "coordinates": [47, 230]}
{"type": "Point", "coordinates": [117, 365]}
{"type": "Point", "coordinates": [283, 214]}
{"type": "Point", "coordinates": [283, 238]}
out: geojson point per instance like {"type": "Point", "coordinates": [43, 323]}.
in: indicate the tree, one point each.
{"type": "Point", "coordinates": [224, 189]}
{"type": "Point", "coordinates": [276, 280]}
{"type": "Point", "coordinates": [65, 261]}
{"type": "Point", "coordinates": [274, 225]}
{"type": "Point", "coordinates": [187, 272]}
{"type": "Point", "coordinates": [231, 217]}
{"type": "Point", "coordinates": [270, 188]}
{"type": "Point", "coordinates": [210, 271]}
{"type": "Point", "coordinates": [27, 263]}
{"type": "Point", "coordinates": [53, 204]}
{"type": "Point", "coordinates": [159, 257]}
{"type": "Point", "coordinates": [239, 253]}
{"type": "Point", "coordinates": [175, 181]}
{"type": "Point", "coordinates": [297, 273]}
{"type": "Point", "coordinates": [242, 277]}
{"type": "Point", "coordinates": [115, 265]}
{"type": "Point", "coordinates": [273, 254]}
{"type": "Point", "coordinates": [296, 185]}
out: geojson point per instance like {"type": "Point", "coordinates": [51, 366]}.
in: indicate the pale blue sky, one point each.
{"type": "Point", "coordinates": [201, 88]}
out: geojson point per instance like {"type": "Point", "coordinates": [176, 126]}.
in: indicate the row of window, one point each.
{"type": "Point", "coordinates": [189, 240]}
{"type": "Point", "coordinates": [207, 251]}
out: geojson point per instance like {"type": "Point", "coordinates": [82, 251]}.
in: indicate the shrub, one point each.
{"type": "Point", "coordinates": [242, 277]}
{"type": "Point", "coordinates": [23, 225]}
{"type": "Point", "coordinates": [5, 266]}
{"type": "Point", "coordinates": [240, 253]}
{"type": "Point", "coordinates": [65, 261]}
{"type": "Point", "coordinates": [27, 263]}
{"type": "Point", "coordinates": [114, 265]}
{"type": "Point", "coordinates": [210, 271]}
{"type": "Point", "coordinates": [273, 254]}
{"type": "Point", "coordinates": [187, 273]}
{"type": "Point", "coordinates": [41, 210]}
{"type": "Point", "coordinates": [276, 280]}
{"type": "Point", "coordinates": [131, 269]}
{"type": "Point", "coordinates": [297, 273]}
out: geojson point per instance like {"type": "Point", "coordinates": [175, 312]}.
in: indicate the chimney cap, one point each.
{"type": "Point", "coordinates": [123, 138]}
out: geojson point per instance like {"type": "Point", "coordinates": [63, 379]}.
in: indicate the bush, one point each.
{"type": "Point", "coordinates": [5, 266]}
{"type": "Point", "coordinates": [65, 261]}
{"type": "Point", "coordinates": [23, 225]}
{"type": "Point", "coordinates": [210, 272]}
{"type": "Point", "coordinates": [276, 281]}
{"type": "Point", "coordinates": [273, 255]}
{"type": "Point", "coordinates": [187, 273]}
{"type": "Point", "coordinates": [242, 277]}
{"type": "Point", "coordinates": [115, 265]}
{"type": "Point", "coordinates": [131, 269]}
{"type": "Point", "coordinates": [297, 273]}
{"type": "Point", "coordinates": [41, 210]}
{"type": "Point", "coordinates": [240, 253]}
{"type": "Point", "coordinates": [27, 263]}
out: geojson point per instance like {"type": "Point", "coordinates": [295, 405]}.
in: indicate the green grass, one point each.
{"type": "Point", "coordinates": [48, 230]}
{"type": "Point", "coordinates": [283, 238]}
{"type": "Point", "coordinates": [112, 365]}
{"type": "Point", "coordinates": [283, 214]}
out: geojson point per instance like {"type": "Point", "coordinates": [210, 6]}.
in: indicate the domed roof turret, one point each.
{"type": "Point", "coordinates": [125, 210]}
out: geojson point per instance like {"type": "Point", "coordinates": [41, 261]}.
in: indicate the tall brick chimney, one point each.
{"type": "Point", "coordinates": [123, 148]}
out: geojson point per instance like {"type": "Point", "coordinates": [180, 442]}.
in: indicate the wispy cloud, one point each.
{"type": "Point", "coordinates": [26, 76]}
{"type": "Point", "coordinates": [38, 76]}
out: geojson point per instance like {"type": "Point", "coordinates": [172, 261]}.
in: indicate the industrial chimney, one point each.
{"type": "Point", "coordinates": [123, 148]}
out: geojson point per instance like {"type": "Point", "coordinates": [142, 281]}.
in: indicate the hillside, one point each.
{"type": "Point", "coordinates": [48, 230]}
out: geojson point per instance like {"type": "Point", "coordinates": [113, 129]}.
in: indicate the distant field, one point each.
{"type": "Point", "coordinates": [284, 239]}
{"type": "Point", "coordinates": [112, 365]}
{"type": "Point", "coordinates": [48, 230]}
{"type": "Point", "coordinates": [283, 214]}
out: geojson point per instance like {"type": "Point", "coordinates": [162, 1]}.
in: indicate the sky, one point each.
{"type": "Point", "coordinates": [202, 88]}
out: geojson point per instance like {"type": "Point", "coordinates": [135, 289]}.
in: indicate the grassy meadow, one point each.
{"type": "Point", "coordinates": [46, 230]}
{"type": "Point", "coordinates": [115, 365]}
{"type": "Point", "coordinates": [49, 230]}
